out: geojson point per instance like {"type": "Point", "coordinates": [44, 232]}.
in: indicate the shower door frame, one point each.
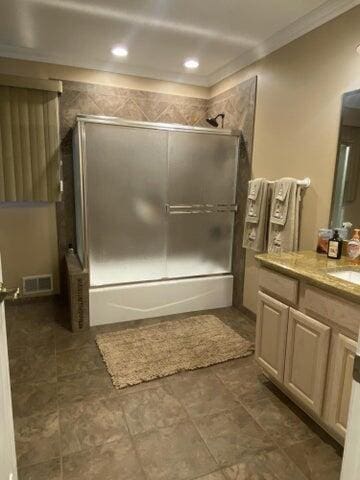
{"type": "Point", "coordinates": [80, 157]}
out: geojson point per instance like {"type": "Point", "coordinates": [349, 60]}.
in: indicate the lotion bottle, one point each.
{"type": "Point", "coordinates": [353, 249]}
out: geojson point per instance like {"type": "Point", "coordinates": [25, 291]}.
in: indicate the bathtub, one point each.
{"type": "Point", "coordinates": [122, 303]}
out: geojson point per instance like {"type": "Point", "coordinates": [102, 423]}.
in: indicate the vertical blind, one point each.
{"type": "Point", "coordinates": [29, 145]}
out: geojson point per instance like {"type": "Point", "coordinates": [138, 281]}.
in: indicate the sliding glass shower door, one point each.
{"type": "Point", "coordinates": [159, 202]}
{"type": "Point", "coordinates": [201, 196]}
{"type": "Point", "coordinates": [126, 172]}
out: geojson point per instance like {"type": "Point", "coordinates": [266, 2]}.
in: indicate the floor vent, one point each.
{"type": "Point", "coordinates": [37, 284]}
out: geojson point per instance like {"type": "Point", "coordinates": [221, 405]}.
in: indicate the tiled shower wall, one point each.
{"type": "Point", "coordinates": [83, 98]}
{"type": "Point", "coordinates": [238, 104]}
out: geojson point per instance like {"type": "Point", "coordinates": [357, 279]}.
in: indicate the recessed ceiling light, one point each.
{"type": "Point", "coordinates": [191, 63]}
{"type": "Point", "coordinates": [358, 49]}
{"type": "Point", "coordinates": [119, 51]}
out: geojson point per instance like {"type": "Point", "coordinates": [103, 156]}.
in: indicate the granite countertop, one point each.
{"type": "Point", "coordinates": [313, 267]}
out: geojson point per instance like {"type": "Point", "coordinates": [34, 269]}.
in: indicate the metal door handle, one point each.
{"type": "Point", "coordinates": [8, 292]}
{"type": "Point", "coordinates": [200, 208]}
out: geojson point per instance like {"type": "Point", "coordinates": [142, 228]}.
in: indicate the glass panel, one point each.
{"type": "Point", "coordinates": [126, 193]}
{"type": "Point", "coordinates": [340, 184]}
{"type": "Point", "coordinates": [199, 244]}
{"type": "Point", "coordinates": [202, 168]}
{"type": "Point", "coordinates": [346, 187]}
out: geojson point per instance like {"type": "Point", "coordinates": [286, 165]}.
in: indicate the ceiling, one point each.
{"type": "Point", "coordinates": [224, 35]}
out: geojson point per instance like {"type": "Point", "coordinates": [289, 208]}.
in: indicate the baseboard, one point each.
{"type": "Point", "coordinates": [23, 300]}
{"type": "Point", "coordinates": [248, 313]}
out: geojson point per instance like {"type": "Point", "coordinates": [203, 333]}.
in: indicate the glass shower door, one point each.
{"type": "Point", "coordinates": [202, 187]}
{"type": "Point", "coordinates": [126, 183]}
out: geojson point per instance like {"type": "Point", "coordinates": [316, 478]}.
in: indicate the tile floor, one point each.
{"type": "Point", "coordinates": [224, 422]}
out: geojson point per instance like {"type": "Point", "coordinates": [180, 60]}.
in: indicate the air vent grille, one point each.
{"type": "Point", "coordinates": [37, 284]}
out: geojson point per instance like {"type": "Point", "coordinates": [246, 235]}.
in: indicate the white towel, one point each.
{"type": "Point", "coordinates": [284, 216]}
{"type": "Point", "coordinates": [256, 215]}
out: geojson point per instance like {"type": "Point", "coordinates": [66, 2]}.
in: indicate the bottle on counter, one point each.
{"type": "Point", "coordinates": [324, 235]}
{"type": "Point", "coordinates": [353, 249]}
{"type": "Point", "coordinates": [335, 246]}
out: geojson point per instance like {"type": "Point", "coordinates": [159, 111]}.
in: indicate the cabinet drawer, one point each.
{"type": "Point", "coordinates": [279, 285]}
{"type": "Point", "coordinates": [307, 351]}
{"type": "Point", "coordinates": [336, 310]}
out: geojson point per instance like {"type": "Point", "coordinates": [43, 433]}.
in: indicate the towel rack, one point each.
{"type": "Point", "coordinates": [305, 183]}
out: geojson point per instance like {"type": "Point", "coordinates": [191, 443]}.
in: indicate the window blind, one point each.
{"type": "Point", "coordinates": [29, 145]}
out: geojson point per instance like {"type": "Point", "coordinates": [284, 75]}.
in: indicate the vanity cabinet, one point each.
{"type": "Point", "coordinates": [271, 330]}
{"type": "Point", "coordinates": [306, 344]}
{"type": "Point", "coordinates": [306, 359]}
{"type": "Point", "coordinates": [340, 383]}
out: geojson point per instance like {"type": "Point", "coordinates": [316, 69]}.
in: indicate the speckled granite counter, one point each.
{"type": "Point", "coordinates": [313, 268]}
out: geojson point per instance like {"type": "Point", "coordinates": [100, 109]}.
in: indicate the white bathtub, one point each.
{"type": "Point", "coordinates": [121, 303]}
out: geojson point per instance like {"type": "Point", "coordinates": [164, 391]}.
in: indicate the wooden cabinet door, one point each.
{"type": "Point", "coordinates": [306, 360]}
{"type": "Point", "coordinates": [271, 329]}
{"type": "Point", "coordinates": [341, 382]}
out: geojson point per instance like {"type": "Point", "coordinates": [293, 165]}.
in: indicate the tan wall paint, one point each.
{"type": "Point", "coordinates": [297, 118]}
{"type": "Point", "coordinates": [296, 125]}
{"type": "Point", "coordinates": [26, 68]}
{"type": "Point", "coordinates": [28, 235]}
{"type": "Point", "coordinates": [28, 242]}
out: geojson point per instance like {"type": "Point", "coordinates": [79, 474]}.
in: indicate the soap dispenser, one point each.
{"type": "Point", "coordinates": [353, 249]}
{"type": "Point", "coordinates": [335, 246]}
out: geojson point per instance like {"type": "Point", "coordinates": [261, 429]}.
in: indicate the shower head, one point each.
{"type": "Point", "coordinates": [214, 122]}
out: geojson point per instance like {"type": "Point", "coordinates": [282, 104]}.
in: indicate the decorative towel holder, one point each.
{"type": "Point", "coordinates": [306, 182]}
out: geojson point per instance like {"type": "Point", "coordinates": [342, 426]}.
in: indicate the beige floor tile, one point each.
{"type": "Point", "coordinates": [175, 453]}
{"type": "Point", "coordinates": [37, 438]}
{"type": "Point", "coordinates": [317, 459]}
{"type": "Point", "coordinates": [31, 398]}
{"type": "Point", "coordinates": [273, 465]}
{"type": "Point", "coordinates": [84, 425]}
{"type": "Point", "coordinates": [84, 386]}
{"type": "Point", "coordinates": [78, 360]}
{"type": "Point", "coordinates": [43, 471]}
{"type": "Point", "coordinates": [112, 461]}
{"type": "Point", "coordinates": [232, 435]}
{"type": "Point", "coordinates": [33, 364]}
{"type": "Point", "coordinates": [151, 409]}
{"type": "Point", "coordinates": [282, 424]}
{"type": "Point", "coordinates": [201, 392]}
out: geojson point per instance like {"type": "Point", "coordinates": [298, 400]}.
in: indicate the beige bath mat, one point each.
{"type": "Point", "coordinates": [137, 355]}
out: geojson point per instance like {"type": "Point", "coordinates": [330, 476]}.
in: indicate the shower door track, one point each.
{"type": "Point", "coordinates": [162, 279]}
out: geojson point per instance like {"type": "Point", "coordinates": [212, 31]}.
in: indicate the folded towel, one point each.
{"type": "Point", "coordinates": [284, 216]}
{"type": "Point", "coordinates": [254, 188]}
{"type": "Point", "coordinates": [254, 200]}
{"type": "Point", "coordinates": [280, 200]}
{"type": "Point", "coordinates": [256, 215]}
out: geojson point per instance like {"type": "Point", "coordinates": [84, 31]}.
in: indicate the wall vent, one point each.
{"type": "Point", "coordinates": [37, 284]}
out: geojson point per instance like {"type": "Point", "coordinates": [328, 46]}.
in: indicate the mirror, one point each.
{"type": "Point", "coordinates": [346, 189]}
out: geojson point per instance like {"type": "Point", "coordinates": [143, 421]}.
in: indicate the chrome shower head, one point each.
{"type": "Point", "coordinates": [213, 120]}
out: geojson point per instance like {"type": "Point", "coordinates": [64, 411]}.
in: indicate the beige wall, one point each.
{"type": "Point", "coordinates": [26, 68]}
{"type": "Point", "coordinates": [296, 128]}
{"type": "Point", "coordinates": [297, 118]}
{"type": "Point", "coordinates": [28, 235]}
{"type": "Point", "coordinates": [28, 242]}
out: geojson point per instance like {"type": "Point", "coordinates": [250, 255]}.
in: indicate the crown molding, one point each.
{"type": "Point", "coordinates": [317, 17]}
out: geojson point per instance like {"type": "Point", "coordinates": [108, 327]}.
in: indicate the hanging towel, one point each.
{"type": "Point", "coordinates": [284, 216]}
{"type": "Point", "coordinates": [256, 215]}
